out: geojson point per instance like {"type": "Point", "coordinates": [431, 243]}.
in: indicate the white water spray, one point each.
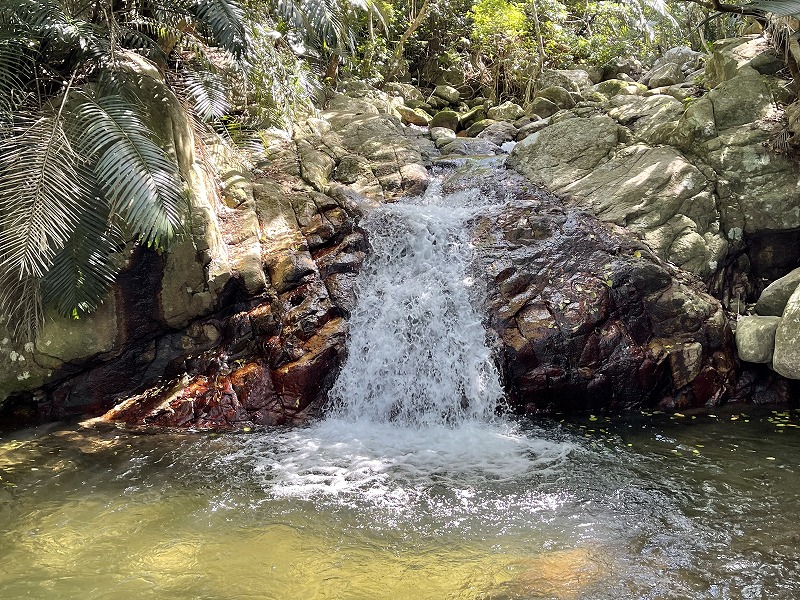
{"type": "Point", "coordinates": [417, 353]}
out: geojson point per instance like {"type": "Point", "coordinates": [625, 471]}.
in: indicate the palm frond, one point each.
{"type": "Point", "coordinates": [224, 20]}
{"type": "Point", "coordinates": [141, 183]}
{"type": "Point", "coordinates": [16, 73]}
{"type": "Point", "coordinates": [39, 184]}
{"type": "Point", "coordinates": [319, 21]}
{"type": "Point", "coordinates": [21, 309]}
{"type": "Point", "coordinates": [779, 8]}
{"type": "Point", "coordinates": [137, 40]}
{"type": "Point", "coordinates": [207, 91]}
{"type": "Point", "coordinates": [84, 270]}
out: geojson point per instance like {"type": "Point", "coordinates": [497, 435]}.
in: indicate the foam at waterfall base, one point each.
{"type": "Point", "coordinates": [393, 468]}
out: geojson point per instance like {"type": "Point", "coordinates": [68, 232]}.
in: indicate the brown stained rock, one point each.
{"type": "Point", "coordinates": [588, 317]}
{"type": "Point", "coordinates": [303, 384]}
{"type": "Point", "coordinates": [279, 353]}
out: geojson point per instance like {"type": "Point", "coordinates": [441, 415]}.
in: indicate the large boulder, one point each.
{"type": "Point", "coordinates": [558, 96]}
{"type": "Point", "coordinates": [745, 55]}
{"type": "Point", "coordinates": [507, 111]}
{"type": "Point", "coordinates": [573, 80]}
{"type": "Point", "coordinates": [665, 75]}
{"type": "Point", "coordinates": [651, 119]}
{"type": "Point", "coordinates": [775, 297]}
{"type": "Point", "coordinates": [612, 87]}
{"type": "Point", "coordinates": [684, 58]}
{"type": "Point", "coordinates": [543, 107]}
{"type": "Point", "coordinates": [498, 133]}
{"type": "Point", "coordinates": [669, 201]}
{"type": "Point", "coordinates": [445, 118]}
{"type": "Point", "coordinates": [566, 151]}
{"type": "Point", "coordinates": [786, 358]}
{"type": "Point", "coordinates": [414, 116]}
{"type": "Point", "coordinates": [587, 318]}
{"type": "Point", "coordinates": [448, 93]}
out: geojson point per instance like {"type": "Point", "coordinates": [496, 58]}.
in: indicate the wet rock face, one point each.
{"type": "Point", "coordinates": [277, 354]}
{"type": "Point", "coordinates": [588, 318]}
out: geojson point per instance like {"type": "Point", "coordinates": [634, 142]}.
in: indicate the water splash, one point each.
{"type": "Point", "coordinates": [417, 352]}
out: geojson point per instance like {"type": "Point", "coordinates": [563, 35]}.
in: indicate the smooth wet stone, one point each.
{"type": "Point", "coordinates": [775, 296]}
{"type": "Point", "coordinates": [755, 338]}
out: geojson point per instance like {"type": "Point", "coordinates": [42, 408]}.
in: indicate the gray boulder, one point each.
{"type": "Point", "coordinates": [543, 107]}
{"type": "Point", "coordinates": [473, 115]}
{"type": "Point", "coordinates": [573, 80]}
{"type": "Point", "coordinates": [530, 128]}
{"type": "Point", "coordinates": [507, 111]}
{"type": "Point", "coordinates": [647, 116]}
{"type": "Point", "coordinates": [478, 126]}
{"type": "Point", "coordinates": [406, 91]}
{"type": "Point", "coordinates": [786, 359]}
{"type": "Point", "coordinates": [445, 118]}
{"type": "Point", "coordinates": [414, 116]}
{"type": "Point", "coordinates": [441, 133]}
{"type": "Point", "coordinates": [470, 147]}
{"type": "Point", "coordinates": [755, 338]}
{"type": "Point", "coordinates": [668, 201]}
{"type": "Point", "coordinates": [612, 87]}
{"type": "Point", "coordinates": [558, 96]}
{"type": "Point", "coordinates": [683, 57]}
{"type": "Point", "coordinates": [665, 75]}
{"type": "Point", "coordinates": [565, 152]}
{"type": "Point", "coordinates": [499, 133]}
{"type": "Point", "coordinates": [447, 93]}
{"type": "Point", "coordinates": [749, 54]}
{"type": "Point", "coordinates": [775, 296]}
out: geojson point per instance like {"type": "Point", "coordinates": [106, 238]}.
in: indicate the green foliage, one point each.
{"type": "Point", "coordinates": [80, 171]}
{"type": "Point", "coordinates": [497, 22]}
{"type": "Point", "coordinates": [282, 84]}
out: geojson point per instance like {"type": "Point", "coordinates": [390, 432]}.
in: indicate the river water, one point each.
{"type": "Point", "coordinates": [412, 487]}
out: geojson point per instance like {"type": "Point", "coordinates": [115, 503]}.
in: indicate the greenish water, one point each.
{"type": "Point", "coordinates": [648, 508]}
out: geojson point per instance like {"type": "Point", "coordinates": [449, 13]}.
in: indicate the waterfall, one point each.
{"type": "Point", "coordinates": [416, 399]}
{"type": "Point", "coordinates": [417, 353]}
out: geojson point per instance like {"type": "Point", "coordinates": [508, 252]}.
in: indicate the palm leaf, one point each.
{"type": "Point", "coordinates": [85, 269]}
{"type": "Point", "coordinates": [780, 8]}
{"type": "Point", "coordinates": [318, 21]}
{"type": "Point", "coordinates": [21, 304]}
{"type": "Point", "coordinates": [134, 39]}
{"type": "Point", "coordinates": [39, 185]}
{"type": "Point", "coordinates": [16, 73]}
{"type": "Point", "coordinates": [208, 93]}
{"type": "Point", "coordinates": [224, 19]}
{"type": "Point", "coordinates": [138, 179]}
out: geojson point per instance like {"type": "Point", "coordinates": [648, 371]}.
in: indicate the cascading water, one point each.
{"type": "Point", "coordinates": [417, 352]}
